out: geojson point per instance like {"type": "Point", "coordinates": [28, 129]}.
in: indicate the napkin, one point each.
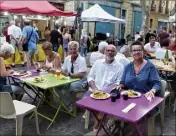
{"type": "Point", "coordinates": [129, 107]}
{"type": "Point", "coordinates": [149, 98]}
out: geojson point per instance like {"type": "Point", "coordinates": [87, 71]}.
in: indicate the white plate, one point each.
{"type": "Point", "coordinates": [18, 74]}
{"type": "Point", "coordinates": [33, 80]}
{"type": "Point", "coordinates": [135, 96]}
{"type": "Point", "coordinates": [92, 96]}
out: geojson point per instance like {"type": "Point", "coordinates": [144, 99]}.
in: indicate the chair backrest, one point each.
{"type": "Point", "coordinates": [160, 53]}
{"type": "Point", "coordinates": [6, 105]}
{"type": "Point", "coordinates": [163, 87]}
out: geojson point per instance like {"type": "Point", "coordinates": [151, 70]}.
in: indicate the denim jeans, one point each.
{"type": "Point", "coordinates": [84, 51]}
{"type": "Point", "coordinates": [55, 47]}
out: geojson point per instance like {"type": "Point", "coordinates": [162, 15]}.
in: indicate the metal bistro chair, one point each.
{"type": "Point", "coordinates": [151, 120]}
{"type": "Point", "coordinates": [13, 109]}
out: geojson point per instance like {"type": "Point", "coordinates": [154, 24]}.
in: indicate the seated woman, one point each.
{"type": "Point", "coordinates": [6, 51]}
{"type": "Point", "coordinates": [52, 61]}
{"type": "Point", "coordinates": [141, 75]}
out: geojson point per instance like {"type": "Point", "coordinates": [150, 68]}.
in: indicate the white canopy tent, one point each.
{"type": "Point", "coordinates": [172, 18]}
{"type": "Point", "coordinates": [97, 14]}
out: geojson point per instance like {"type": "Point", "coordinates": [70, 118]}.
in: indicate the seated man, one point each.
{"type": "Point", "coordinates": [122, 59]}
{"type": "Point", "coordinates": [99, 54]}
{"type": "Point", "coordinates": [152, 46]}
{"type": "Point", "coordinates": [75, 67]}
{"type": "Point", "coordinates": [106, 72]}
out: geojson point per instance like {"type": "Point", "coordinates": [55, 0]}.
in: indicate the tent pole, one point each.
{"type": "Point", "coordinates": [95, 29]}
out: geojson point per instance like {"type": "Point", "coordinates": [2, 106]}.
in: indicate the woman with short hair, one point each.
{"type": "Point", "coordinates": [141, 75]}
{"type": "Point", "coordinates": [52, 61]}
{"type": "Point", "coordinates": [6, 52]}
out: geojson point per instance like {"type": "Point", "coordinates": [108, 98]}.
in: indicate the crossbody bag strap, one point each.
{"type": "Point", "coordinates": [30, 36]}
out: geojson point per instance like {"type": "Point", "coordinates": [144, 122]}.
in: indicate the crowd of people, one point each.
{"type": "Point", "coordinates": [107, 66]}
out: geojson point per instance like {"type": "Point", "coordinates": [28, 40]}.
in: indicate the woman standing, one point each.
{"type": "Point", "coordinates": [66, 39]}
{"type": "Point", "coordinates": [6, 51]}
{"type": "Point", "coordinates": [84, 39]}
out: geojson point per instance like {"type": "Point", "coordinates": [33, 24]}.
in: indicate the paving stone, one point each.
{"type": "Point", "coordinates": [69, 126]}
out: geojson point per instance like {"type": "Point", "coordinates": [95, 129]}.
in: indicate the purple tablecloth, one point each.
{"type": "Point", "coordinates": [143, 106]}
{"type": "Point", "coordinates": [33, 73]}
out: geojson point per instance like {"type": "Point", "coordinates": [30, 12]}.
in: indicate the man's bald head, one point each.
{"type": "Point", "coordinates": [110, 52]}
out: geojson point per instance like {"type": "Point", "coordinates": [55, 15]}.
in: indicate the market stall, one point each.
{"type": "Point", "coordinates": [32, 7]}
{"type": "Point", "coordinates": [97, 14]}
{"type": "Point", "coordinates": [36, 8]}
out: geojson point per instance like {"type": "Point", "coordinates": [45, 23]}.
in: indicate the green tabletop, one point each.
{"type": "Point", "coordinates": [50, 81]}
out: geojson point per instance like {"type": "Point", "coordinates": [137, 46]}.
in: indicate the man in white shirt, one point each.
{"type": "Point", "coordinates": [137, 36]}
{"type": "Point", "coordinates": [105, 72]}
{"type": "Point", "coordinates": [152, 46]}
{"type": "Point", "coordinates": [75, 67]}
{"type": "Point", "coordinates": [15, 34]}
{"type": "Point", "coordinates": [122, 59]}
{"type": "Point", "coordinates": [99, 54]}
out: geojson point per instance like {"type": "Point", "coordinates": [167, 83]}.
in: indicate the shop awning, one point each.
{"type": "Point", "coordinates": [41, 7]}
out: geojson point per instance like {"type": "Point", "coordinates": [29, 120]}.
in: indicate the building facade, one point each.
{"type": "Point", "coordinates": [159, 13]}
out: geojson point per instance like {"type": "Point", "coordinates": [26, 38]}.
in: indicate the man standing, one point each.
{"type": "Point", "coordinates": [5, 32]}
{"type": "Point", "coordinates": [29, 42]}
{"type": "Point", "coordinates": [163, 36]}
{"type": "Point", "coordinates": [55, 38]}
{"type": "Point", "coordinates": [15, 35]}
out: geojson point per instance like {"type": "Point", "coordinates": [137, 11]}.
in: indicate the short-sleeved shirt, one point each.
{"type": "Point", "coordinates": [79, 65]}
{"type": "Point", "coordinates": [14, 31]}
{"type": "Point", "coordinates": [55, 35]}
{"type": "Point", "coordinates": [95, 56]}
{"type": "Point", "coordinates": [32, 44]}
{"type": "Point", "coordinates": [148, 48]}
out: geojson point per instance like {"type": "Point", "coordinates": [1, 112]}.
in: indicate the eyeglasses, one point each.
{"type": "Point", "coordinates": [110, 51]}
{"type": "Point", "coordinates": [137, 50]}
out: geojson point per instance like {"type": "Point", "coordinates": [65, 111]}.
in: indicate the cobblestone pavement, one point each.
{"type": "Point", "coordinates": [69, 126]}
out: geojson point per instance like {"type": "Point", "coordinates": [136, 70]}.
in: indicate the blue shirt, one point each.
{"type": "Point", "coordinates": [147, 79]}
{"type": "Point", "coordinates": [32, 44]}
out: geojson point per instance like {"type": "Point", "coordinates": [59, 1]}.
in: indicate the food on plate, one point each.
{"type": "Point", "coordinates": [38, 79]}
{"type": "Point", "coordinates": [132, 93]}
{"type": "Point", "coordinates": [41, 70]}
{"type": "Point", "coordinates": [100, 95]}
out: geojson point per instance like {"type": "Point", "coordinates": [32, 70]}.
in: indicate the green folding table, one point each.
{"type": "Point", "coordinates": [49, 83]}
